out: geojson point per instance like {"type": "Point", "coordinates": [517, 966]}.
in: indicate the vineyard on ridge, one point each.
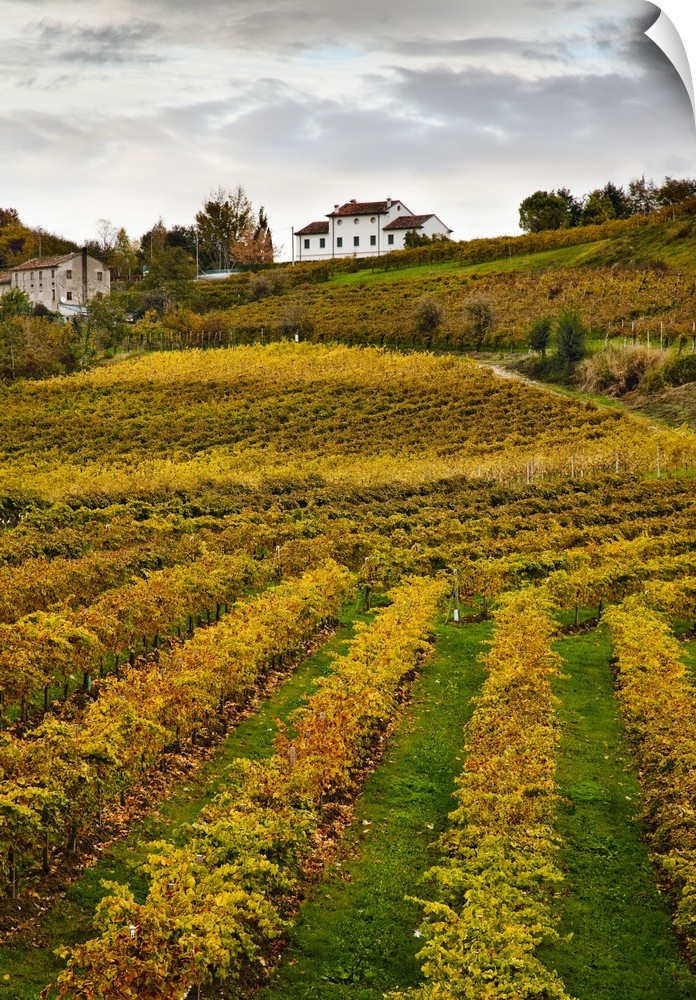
{"type": "Point", "coordinates": [632, 282]}
{"type": "Point", "coordinates": [184, 532]}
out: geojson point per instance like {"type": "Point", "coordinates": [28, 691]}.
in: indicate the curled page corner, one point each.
{"type": "Point", "coordinates": [666, 36]}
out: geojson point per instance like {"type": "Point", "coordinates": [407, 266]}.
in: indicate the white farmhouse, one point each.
{"type": "Point", "coordinates": [364, 229]}
{"type": "Point", "coordinates": [70, 279]}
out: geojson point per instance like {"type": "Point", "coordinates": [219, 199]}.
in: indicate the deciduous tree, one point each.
{"type": "Point", "coordinates": [428, 316]}
{"type": "Point", "coordinates": [547, 210]}
{"type": "Point", "coordinates": [482, 319]}
{"type": "Point", "coordinates": [540, 334]}
{"type": "Point", "coordinates": [225, 216]}
{"type": "Point", "coordinates": [642, 196]}
{"type": "Point", "coordinates": [674, 191]}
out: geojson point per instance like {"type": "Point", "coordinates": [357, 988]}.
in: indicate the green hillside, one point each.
{"type": "Point", "coordinates": [633, 278]}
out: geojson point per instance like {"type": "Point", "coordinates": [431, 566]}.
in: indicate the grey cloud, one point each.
{"type": "Point", "coordinates": [289, 27]}
{"type": "Point", "coordinates": [48, 84]}
{"type": "Point", "coordinates": [482, 47]}
{"type": "Point", "coordinates": [112, 43]}
{"type": "Point", "coordinates": [431, 114]}
{"type": "Point", "coordinates": [302, 24]}
{"type": "Point", "coordinates": [478, 97]}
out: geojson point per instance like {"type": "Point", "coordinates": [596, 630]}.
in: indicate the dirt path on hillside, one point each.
{"type": "Point", "coordinates": [503, 372]}
{"type": "Point", "coordinates": [672, 407]}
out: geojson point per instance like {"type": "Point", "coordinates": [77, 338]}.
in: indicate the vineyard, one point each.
{"type": "Point", "coordinates": [499, 584]}
{"type": "Point", "coordinates": [632, 281]}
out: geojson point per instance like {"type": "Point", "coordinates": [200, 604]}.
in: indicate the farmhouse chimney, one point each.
{"type": "Point", "coordinates": [84, 276]}
{"type": "Point", "coordinates": [388, 203]}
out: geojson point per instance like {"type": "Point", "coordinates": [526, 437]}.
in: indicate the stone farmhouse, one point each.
{"type": "Point", "coordinates": [364, 229]}
{"type": "Point", "coordinates": [68, 281]}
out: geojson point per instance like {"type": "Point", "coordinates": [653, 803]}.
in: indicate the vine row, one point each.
{"type": "Point", "coordinates": [215, 904]}
{"type": "Point", "coordinates": [493, 889]}
{"type": "Point", "coordinates": [659, 709]}
{"type": "Point", "coordinates": [55, 784]}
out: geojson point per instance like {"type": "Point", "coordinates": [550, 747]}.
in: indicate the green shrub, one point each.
{"type": "Point", "coordinates": [681, 370]}
{"type": "Point", "coordinates": [654, 380]}
{"type": "Point", "coordinates": [570, 337]}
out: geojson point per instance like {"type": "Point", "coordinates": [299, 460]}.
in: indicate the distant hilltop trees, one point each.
{"type": "Point", "coordinates": [227, 232]}
{"type": "Point", "coordinates": [19, 242]}
{"type": "Point", "coordinates": [560, 209]}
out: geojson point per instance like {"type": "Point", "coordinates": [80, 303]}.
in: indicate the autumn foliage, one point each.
{"type": "Point", "coordinates": [493, 889]}
{"type": "Point", "coordinates": [214, 903]}
{"type": "Point", "coordinates": [659, 707]}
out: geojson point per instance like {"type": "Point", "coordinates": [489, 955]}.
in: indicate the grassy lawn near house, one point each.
{"type": "Point", "coordinates": [565, 257]}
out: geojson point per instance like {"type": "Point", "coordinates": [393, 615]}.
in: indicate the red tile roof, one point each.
{"type": "Point", "coordinates": [408, 222]}
{"type": "Point", "coordinates": [5, 277]}
{"type": "Point", "coordinates": [38, 262]}
{"type": "Point", "coordinates": [313, 229]}
{"type": "Point", "coordinates": [365, 207]}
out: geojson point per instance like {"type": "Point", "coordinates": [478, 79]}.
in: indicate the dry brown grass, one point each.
{"type": "Point", "coordinates": [617, 371]}
{"type": "Point", "coordinates": [676, 405]}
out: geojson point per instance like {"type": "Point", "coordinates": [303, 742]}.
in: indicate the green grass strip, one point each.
{"type": "Point", "coordinates": [689, 658]}
{"type": "Point", "coordinates": [623, 945]}
{"type": "Point", "coordinates": [26, 969]}
{"type": "Point", "coordinates": [354, 937]}
{"type": "Point", "coordinates": [573, 256]}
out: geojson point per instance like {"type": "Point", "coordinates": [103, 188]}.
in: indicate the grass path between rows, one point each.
{"type": "Point", "coordinates": [354, 937]}
{"type": "Point", "coordinates": [24, 971]}
{"type": "Point", "coordinates": [689, 657]}
{"type": "Point", "coordinates": [623, 945]}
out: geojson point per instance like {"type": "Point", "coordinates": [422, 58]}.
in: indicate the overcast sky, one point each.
{"type": "Point", "coordinates": [136, 109]}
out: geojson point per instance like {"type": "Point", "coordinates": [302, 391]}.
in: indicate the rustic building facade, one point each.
{"type": "Point", "coordinates": [72, 278]}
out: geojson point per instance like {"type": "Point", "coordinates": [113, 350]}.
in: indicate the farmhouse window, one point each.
{"type": "Point", "coordinates": [322, 242]}
{"type": "Point", "coordinates": [339, 241]}
{"type": "Point", "coordinates": [373, 241]}
{"type": "Point", "coordinates": [306, 244]}
{"type": "Point", "coordinates": [356, 241]}
{"type": "Point", "coordinates": [390, 238]}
